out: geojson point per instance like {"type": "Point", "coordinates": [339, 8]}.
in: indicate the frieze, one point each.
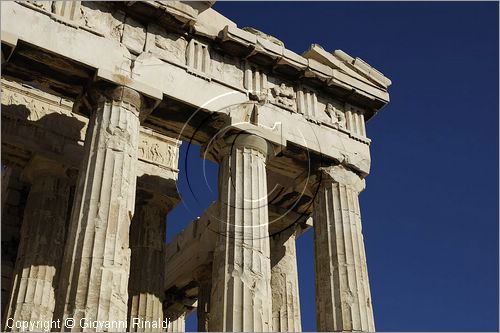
{"type": "Point", "coordinates": [307, 103]}
{"type": "Point", "coordinates": [165, 45]}
{"type": "Point", "coordinates": [134, 35]}
{"type": "Point", "coordinates": [355, 120]}
{"type": "Point", "coordinates": [102, 19]}
{"type": "Point", "coordinates": [50, 112]}
{"type": "Point", "coordinates": [158, 149]}
{"type": "Point", "coordinates": [255, 82]}
{"type": "Point", "coordinates": [227, 69]}
{"type": "Point", "coordinates": [337, 117]}
{"type": "Point", "coordinates": [70, 10]}
{"type": "Point", "coordinates": [54, 114]}
{"type": "Point", "coordinates": [198, 59]}
{"type": "Point", "coordinates": [284, 96]}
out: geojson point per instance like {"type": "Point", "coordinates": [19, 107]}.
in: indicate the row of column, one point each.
{"type": "Point", "coordinates": [112, 235]}
{"type": "Point", "coordinates": [247, 294]}
{"type": "Point", "coordinates": [80, 268]}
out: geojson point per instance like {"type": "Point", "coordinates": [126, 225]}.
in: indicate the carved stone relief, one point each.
{"type": "Point", "coordinates": [226, 69]}
{"type": "Point", "coordinates": [337, 117]}
{"type": "Point", "coordinates": [101, 18]}
{"type": "Point", "coordinates": [167, 46]}
{"type": "Point", "coordinates": [157, 151]}
{"type": "Point", "coordinates": [134, 35]}
{"type": "Point", "coordinates": [43, 113]}
{"type": "Point", "coordinates": [284, 96]}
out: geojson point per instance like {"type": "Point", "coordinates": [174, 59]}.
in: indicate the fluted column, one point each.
{"type": "Point", "coordinates": [241, 283]}
{"type": "Point", "coordinates": [204, 293]}
{"type": "Point", "coordinates": [147, 238]}
{"type": "Point", "coordinates": [343, 301]}
{"type": "Point", "coordinates": [97, 255]}
{"type": "Point", "coordinates": [177, 325]}
{"type": "Point", "coordinates": [42, 243]}
{"type": "Point", "coordinates": [14, 195]}
{"type": "Point", "coordinates": [285, 282]}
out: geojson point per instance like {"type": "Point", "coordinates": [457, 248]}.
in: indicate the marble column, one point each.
{"type": "Point", "coordinates": [241, 281]}
{"type": "Point", "coordinates": [177, 325]}
{"type": "Point", "coordinates": [285, 282]}
{"type": "Point", "coordinates": [14, 196]}
{"type": "Point", "coordinates": [97, 255]}
{"type": "Point", "coordinates": [204, 292]}
{"type": "Point", "coordinates": [343, 301]}
{"type": "Point", "coordinates": [42, 242]}
{"type": "Point", "coordinates": [147, 238]}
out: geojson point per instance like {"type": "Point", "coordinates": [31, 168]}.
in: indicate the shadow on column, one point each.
{"type": "Point", "coordinates": [48, 137]}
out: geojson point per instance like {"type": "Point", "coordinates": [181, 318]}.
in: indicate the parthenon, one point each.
{"type": "Point", "coordinates": [97, 98]}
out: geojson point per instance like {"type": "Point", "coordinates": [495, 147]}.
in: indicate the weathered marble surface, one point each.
{"type": "Point", "coordinates": [182, 71]}
{"type": "Point", "coordinates": [147, 239]}
{"type": "Point", "coordinates": [285, 282]}
{"type": "Point", "coordinates": [45, 124]}
{"type": "Point", "coordinates": [40, 252]}
{"type": "Point", "coordinates": [158, 62]}
{"type": "Point", "coordinates": [241, 281]}
{"type": "Point", "coordinates": [14, 195]}
{"type": "Point", "coordinates": [178, 325]}
{"type": "Point", "coordinates": [97, 256]}
{"type": "Point", "coordinates": [343, 301]}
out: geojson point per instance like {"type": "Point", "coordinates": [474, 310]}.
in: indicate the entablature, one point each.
{"type": "Point", "coordinates": [196, 68]}
{"type": "Point", "coordinates": [34, 122]}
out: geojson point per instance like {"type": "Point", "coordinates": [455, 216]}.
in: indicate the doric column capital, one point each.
{"type": "Point", "coordinates": [244, 140]}
{"type": "Point", "coordinates": [342, 175]}
{"type": "Point", "coordinates": [40, 166]}
{"type": "Point", "coordinates": [126, 97]}
{"type": "Point", "coordinates": [218, 148]}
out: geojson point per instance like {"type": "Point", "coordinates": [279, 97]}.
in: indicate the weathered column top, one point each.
{"type": "Point", "coordinates": [342, 175]}
{"type": "Point", "coordinates": [129, 98]}
{"type": "Point", "coordinates": [222, 146]}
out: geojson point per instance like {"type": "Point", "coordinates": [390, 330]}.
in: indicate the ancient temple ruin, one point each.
{"type": "Point", "coordinates": [96, 100]}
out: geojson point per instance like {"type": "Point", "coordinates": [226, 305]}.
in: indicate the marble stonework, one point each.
{"type": "Point", "coordinates": [96, 100]}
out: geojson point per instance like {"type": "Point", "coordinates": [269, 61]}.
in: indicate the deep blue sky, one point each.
{"type": "Point", "coordinates": [430, 210]}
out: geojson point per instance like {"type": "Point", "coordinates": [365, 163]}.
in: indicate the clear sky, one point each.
{"type": "Point", "coordinates": [430, 209]}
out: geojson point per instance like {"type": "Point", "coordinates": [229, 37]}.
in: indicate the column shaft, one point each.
{"type": "Point", "coordinates": [241, 289]}
{"type": "Point", "coordinates": [41, 245]}
{"type": "Point", "coordinates": [97, 255]}
{"type": "Point", "coordinates": [178, 325]}
{"type": "Point", "coordinates": [147, 236]}
{"type": "Point", "coordinates": [343, 301]}
{"type": "Point", "coordinates": [14, 195]}
{"type": "Point", "coordinates": [204, 293]}
{"type": "Point", "coordinates": [285, 283]}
